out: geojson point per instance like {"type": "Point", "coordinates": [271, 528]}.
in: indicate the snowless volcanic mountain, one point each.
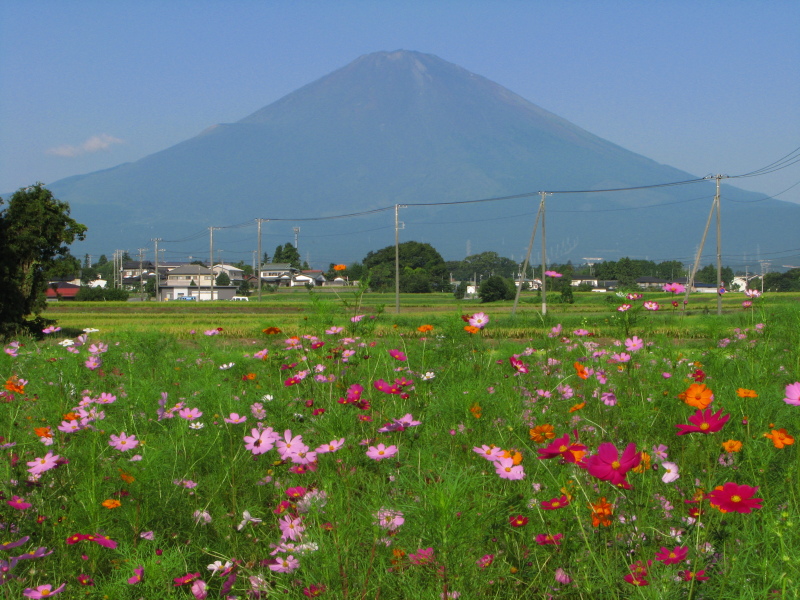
{"type": "Point", "coordinates": [410, 128]}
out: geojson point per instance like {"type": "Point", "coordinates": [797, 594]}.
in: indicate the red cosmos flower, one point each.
{"type": "Point", "coordinates": [689, 575]}
{"type": "Point", "coordinates": [314, 590]}
{"type": "Point", "coordinates": [732, 497]}
{"type": "Point", "coordinates": [518, 521]}
{"type": "Point", "coordinates": [570, 452]}
{"type": "Point", "coordinates": [699, 376]}
{"type": "Point", "coordinates": [637, 580]}
{"type": "Point", "coordinates": [672, 557]}
{"type": "Point", "coordinates": [608, 465]}
{"type": "Point", "coordinates": [704, 421]}
{"type": "Point", "coordinates": [555, 503]}
{"type": "Point", "coordinates": [543, 539]}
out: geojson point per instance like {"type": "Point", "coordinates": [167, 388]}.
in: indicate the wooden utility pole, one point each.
{"type": "Point", "coordinates": [544, 255]}
{"type": "Point", "coordinates": [397, 227]}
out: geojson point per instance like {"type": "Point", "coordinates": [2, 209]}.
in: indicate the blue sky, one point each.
{"type": "Point", "coordinates": [704, 86]}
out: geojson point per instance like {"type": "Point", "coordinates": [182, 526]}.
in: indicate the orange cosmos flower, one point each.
{"type": "Point", "coordinates": [110, 504]}
{"type": "Point", "coordinates": [475, 409]}
{"type": "Point", "coordinates": [471, 329]}
{"type": "Point", "coordinates": [512, 454]}
{"type": "Point", "coordinates": [601, 513]}
{"type": "Point", "coordinates": [13, 385]}
{"type": "Point", "coordinates": [580, 370]}
{"type": "Point", "coordinates": [126, 477]}
{"type": "Point", "coordinates": [425, 328]}
{"type": "Point", "coordinates": [42, 432]}
{"type": "Point", "coordinates": [71, 416]}
{"type": "Point", "coordinates": [249, 377]}
{"type": "Point", "coordinates": [644, 464]}
{"type": "Point", "coordinates": [339, 267]}
{"type": "Point", "coordinates": [780, 438]}
{"type": "Point", "coordinates": [744, 393]}
{"type": "Point", "coordinates": [732, 446]}
{"type": "Point", "coordinates": [577, 407]}
{"type": "Point", "coordinates": [697, 395]}
{"type": "Point", "coordinates": [542, 433]}
{"type": "Point", "coordinates": [271, 330]}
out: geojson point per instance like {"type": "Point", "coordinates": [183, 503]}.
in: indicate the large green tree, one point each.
{"type": "Point", "coordinates": [422, 268]}
{"type": "Point", "coordinates": [35, 230]}
{"type": "Point", "coordinates": [479, 267]}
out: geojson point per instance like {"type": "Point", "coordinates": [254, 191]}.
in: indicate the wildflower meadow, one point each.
{"type": "Point", "coordinates": [435, 459]}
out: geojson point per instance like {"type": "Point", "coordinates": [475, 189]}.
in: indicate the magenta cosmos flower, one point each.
{"type": "Point", "coordinates": [704, 421]}
{"type": "Point", "coordinates": [674, 556]}
{"type": "Point", "coordinates": [570, 452]}
{"type": "Point", "coordinates": [40, 465]}
{"type": "Point", "coordinates": [381, 451]}
{"type": "Point", "coordinates": [398, 355]}
{"type": "Point", "coordinates": [123, 442]}
{"type": "Point", "coordinates": [732, 497]}
{"type": "Point", "coordinates": [674, 288]}
{"type": "Point", "coordinates": [43, 591]}
{"type": "Point", "coordinates": [609, 465]}
{"type": "Point", "coordinates": [793, 394]}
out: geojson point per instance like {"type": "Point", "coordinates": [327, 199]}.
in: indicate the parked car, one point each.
{"type": "Point", "coordinates": [240, 299]}
{"type": "Point", "coordinates": [193, 298]}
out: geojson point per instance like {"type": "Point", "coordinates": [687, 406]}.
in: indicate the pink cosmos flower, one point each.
{"type": "Point", "coordinates": [479, 320]}
{"type": "Point", "coordinates": [381, 451]}
{"type": "Point", "coordinates": [489, 453]}
{"type": "Point", "coordinates": [506, 469]}
{"type": "Point", "coordinates": [331, 446]}
{"type": "Point", "coordinates": [334, 330]}
{"type": "Point", "coordinates": [555, 274]}
{"type": "Point", "coordinates": [389, 519]}
{"type": "Point", "coordinates": [123, 442]}
{"type": "Point", "coordinates": [261, 354]}
{"type": "Point", "coordinates": [289, 444]}
{"type": "Point", "coordinates": [623, 307]}
{"type": "Point", "coordinates": [285, 564]}
{"type": "Point", "coordinates": [634, 344]}
{"type": "Point", "coordinates": [291, 528]}
{"type": "Point", "coordinates": [43, 591]}
{"type": "Point", "coordinates": [260, 442]}
{"type": "Point", "coordinates": [398, 355]}
{"type": "Point", "coordinates": [247, 518]}
{"type": "Point", "coordinates": [93, 363]}
{"type": "Point", "coordinates": [562, 577]}
{"type": "Point", "coordinates": [50, 329]}
{"type": "Point", "coordinates": [400, 424]}
{"type": "Point", "coordinates": [199, 590]}
{"type": "Point", "coordinates": [190, 414]}
{"type": "Point", "coordinates": [672, 473]}
{"type": "Point", "coordinates": [674, 556]}
{"type": "Point", "coordinates": [620, 357]}
{"type": "Point", "coordinates": [357, 318]}
{"type": "Point", "coordinates": [40, 465]}
{"type": "Point", "coordinates": [235, 419]}
{"type": "Point", "coordinates": [609, 465]}
{"type": "Point", "coordinates": [651, 305]}
{"type": "Point", "coordinates": [793, 394]}
{"type": "Point", "coordinates": [674, 288]}
{"type": "Point", "coordinates": [484, 561]}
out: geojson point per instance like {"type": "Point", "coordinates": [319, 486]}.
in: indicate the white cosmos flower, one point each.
{"type": "Point", "coordinates": [196, 425]}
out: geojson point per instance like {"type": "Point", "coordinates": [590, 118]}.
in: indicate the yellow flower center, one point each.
{"type": "Point", "coordinates": [704, 426]}
{"type": "Point", "coordinates": [562, 448]}
{"type": "Point", "coordinates": [736, 498]}
{"type": "Point", "coordinates": [615, 464]}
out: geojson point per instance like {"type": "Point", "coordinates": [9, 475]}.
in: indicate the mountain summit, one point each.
{"type": "Point", "coordinates": [405, 128]}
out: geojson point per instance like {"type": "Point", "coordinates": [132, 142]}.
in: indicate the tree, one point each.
{"type": "Point", "coordinates": [483, 265]}
{"type": "Point", "coordinates": [496, 288]}
{"type": "Point", "coordinates": [419, 263]}
{"type": "Point", "coordinates": [223, 279]}
{"type": "Point", "coordinates": [35, 230]}
{"type": "Point", "coordinates": [288, 254]}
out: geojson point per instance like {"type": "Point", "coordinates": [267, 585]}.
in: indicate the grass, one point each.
{"type": "Point", "coordinates": [182, 505]}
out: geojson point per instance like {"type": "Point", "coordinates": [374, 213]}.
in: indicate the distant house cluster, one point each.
{"type": "Point", "coordinates": [180, 280]}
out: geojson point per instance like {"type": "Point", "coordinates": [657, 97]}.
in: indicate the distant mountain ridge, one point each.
{"type": "Point", "coordinates": [405, 127]}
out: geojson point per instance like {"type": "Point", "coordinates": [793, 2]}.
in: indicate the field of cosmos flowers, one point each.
{"type": "Point", "coordinates": [439, 460]}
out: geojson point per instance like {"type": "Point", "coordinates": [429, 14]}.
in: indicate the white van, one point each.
{"type": "Point", "coordinates": [240, 299]}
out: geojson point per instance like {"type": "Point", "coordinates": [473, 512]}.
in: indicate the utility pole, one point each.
{"type": "Point", "coordinates": [297, 239]}
{"type": "Point", "coordinates": [719, 248]}
{"type": "Point", "coordinates": [260, 256]}
{"type": "Point", "coordinates": [158, 273]}
{"type": "Point", "coordinates": [141, 272]}
{"type": "Point", "coordinates": [397, 227]}
{"type": "Point", "coordinates": [544, 255]}
{"type": "Point", "coordinates": [211, 256]}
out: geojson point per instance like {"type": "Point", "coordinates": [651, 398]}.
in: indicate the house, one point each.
{"type": "Point", "coordinates": [312, 277]}
{"type": "Point", "coordinates": [235, 274]}
{"type": "Point", "coordinates": [278, 274]}
{"type": "Point", "coordinates": [61, 291]}
{"type": "Point", "coordinates": [193, 281]}
{"type": "Point", "coordinates": [651, 283]}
